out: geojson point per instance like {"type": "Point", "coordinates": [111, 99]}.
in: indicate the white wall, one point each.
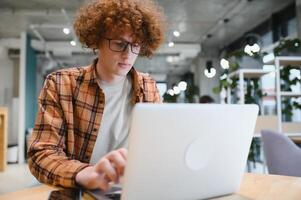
{"type": "Point", "coordinates": [7, 90]}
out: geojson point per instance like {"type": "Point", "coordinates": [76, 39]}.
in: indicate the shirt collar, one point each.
{"type": "Point", "coordinates": [137, 80]}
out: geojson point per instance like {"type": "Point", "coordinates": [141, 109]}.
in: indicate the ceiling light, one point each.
{"type": "Point", "coordinates": [223, 21]}
{"type": "Point", "coordinates": [176, 58]}
{"type": "Point", "coordinates": [73, 43]}
{"type": "Point", "coordinates": [171, 44]}
{"type": "Point", "coordinates": [172, 59]}
{"type": "Point", "coordinates": [169, 59]}
{"type": "Point", "coordinates": [224, 63]}
{"type": "Point", "coordinates": [66, 31]}
{"type": "Point", "coordinates": [176, 33]}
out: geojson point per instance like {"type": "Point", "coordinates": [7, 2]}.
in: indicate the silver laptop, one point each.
{"type": "Point", "coordinates": [187, 151]}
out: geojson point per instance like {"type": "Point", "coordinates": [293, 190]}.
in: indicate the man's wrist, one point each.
{"type": "Point", "coordinates": [80, 175]}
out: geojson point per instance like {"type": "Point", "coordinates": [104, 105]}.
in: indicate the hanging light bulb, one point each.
{"type": "Point", "coordinates": [176, 89]}
{"type": "Point", "coordinates": [224, 63]}
{"type": "Point", "coordinates": [248, 50]}
{"type": "Point", "coordinates": [210, 71]}
{"type": "Point", "coordinates": [66, 31]}
{"type": "Point", "coordinates": [171, 44]}
{"type": "Point", "coordinates": [176, 33]}
{"type": "Point", "coordinates": [73, 43]}
{"type": "Point", "coordinates": [255, 48]}
{"type": "Point", "coordinates": [182, 85]}
{"type": "Point", "coordinates": [170, 92]}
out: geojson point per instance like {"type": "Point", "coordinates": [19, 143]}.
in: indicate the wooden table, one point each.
{"type": "Point", "coordinates": [270, 187]}
{"type": "Point", "coordinates": [296, 139]}
{"type": "Point", "coordinates": [254, 186]}
{"type": "Point", "coordinates": [3, 138]}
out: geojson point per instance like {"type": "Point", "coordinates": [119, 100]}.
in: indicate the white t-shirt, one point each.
{"type": "Point", "coordinates": [115, 123]}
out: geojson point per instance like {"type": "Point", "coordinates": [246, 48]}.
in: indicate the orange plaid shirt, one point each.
{"type": "Point", "coordinates": [71, 106]}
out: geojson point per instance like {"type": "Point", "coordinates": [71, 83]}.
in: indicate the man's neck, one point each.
{"type": "Point", "coordinates": [106, 76]}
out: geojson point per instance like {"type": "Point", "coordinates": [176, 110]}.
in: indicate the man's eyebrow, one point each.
{"type": "Point", "coordinates": [124, 40]}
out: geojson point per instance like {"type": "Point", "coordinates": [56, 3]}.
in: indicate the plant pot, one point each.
{"type": "Point", "coordinates": [247, 62]}
{"type": "Point", "coordinates": [12, 154]}
{"type": "Point", "coordinates": [285, 52]}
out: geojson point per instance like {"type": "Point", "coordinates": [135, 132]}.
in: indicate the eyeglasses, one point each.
{"type": "Point", "coordinates": [121, 46]}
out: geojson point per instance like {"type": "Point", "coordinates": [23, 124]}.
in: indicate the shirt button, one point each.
{"type": "Point", "coordinates": [94, 129]}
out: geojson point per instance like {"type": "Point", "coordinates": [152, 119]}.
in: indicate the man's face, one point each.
{"type": "Point", "coordinates": [116, 56]}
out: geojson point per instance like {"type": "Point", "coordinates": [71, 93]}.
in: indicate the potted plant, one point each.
{"type": "Point", "coordinates": [190, 93]}
{"type": "Point", "coordinates": [241, 60]}
{"type": "Point", "coordinates": [288, 47]}
{"type": "Point", "coordinates": [287, 104]}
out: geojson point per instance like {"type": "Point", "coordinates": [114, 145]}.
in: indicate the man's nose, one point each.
{"type": "Point", "coordinates": [127, 51]}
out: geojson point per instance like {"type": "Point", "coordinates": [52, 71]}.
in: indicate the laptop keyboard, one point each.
{"type": "Point", "coordinates": [114, 196]}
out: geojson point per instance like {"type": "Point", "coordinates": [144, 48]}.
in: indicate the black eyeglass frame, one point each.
{"type": "Point", "coordinates": [125, 47]}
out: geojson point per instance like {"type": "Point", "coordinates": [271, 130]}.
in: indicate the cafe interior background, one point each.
{"type": "Point", "coordinates": [235, 51]}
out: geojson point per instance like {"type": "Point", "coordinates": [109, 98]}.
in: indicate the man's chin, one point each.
{"type": "Point", "coordinates": [124, 72]}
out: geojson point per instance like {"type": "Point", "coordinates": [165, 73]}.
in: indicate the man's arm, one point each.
{"type": "Point", "coordinates": [46, 156]}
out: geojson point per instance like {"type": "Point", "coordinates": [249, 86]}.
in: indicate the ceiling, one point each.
{"type": "Point", "coordinates": [195, 19]}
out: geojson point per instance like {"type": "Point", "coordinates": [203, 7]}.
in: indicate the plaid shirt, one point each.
{"type": "Point", "coordinates": [71, 106]}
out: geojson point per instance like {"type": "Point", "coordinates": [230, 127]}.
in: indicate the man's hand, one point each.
{"type": "Point", "coordinates": [108, 169]}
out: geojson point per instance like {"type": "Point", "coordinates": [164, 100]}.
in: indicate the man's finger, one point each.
{"type": "Point", "coordinates": [118, 161]}
{"type": "Point", "coordinates": [105, 166]}
{"type": "Point", "coordinates": [123, 152]}
{"type": "Point", "coordinates": [104, 183]}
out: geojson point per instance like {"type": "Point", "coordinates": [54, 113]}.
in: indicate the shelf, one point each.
{"type": "Point", "coordinates": [296, 134]}
{"type": "Point", "coordinates": [285, 94]}
{"type": "Point", "coordinates": [249, 73]}
{"type": "Point", "coordinates": [290, 94]}
{"type": "Point", "coordinates": [279, 62]}
{"type": "Point", "coordinates": [286, 60]}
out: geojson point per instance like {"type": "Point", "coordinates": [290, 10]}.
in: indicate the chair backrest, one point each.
{"type": "Point", "coordinates": [283, 157]}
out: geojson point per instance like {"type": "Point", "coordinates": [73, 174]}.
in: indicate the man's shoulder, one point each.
{"type": "Point", "coordinates": [145, 77]}
{"type": "Point", "coordinates": [148, 85]}
{"type": "Point", "coordinates": [69, 73]}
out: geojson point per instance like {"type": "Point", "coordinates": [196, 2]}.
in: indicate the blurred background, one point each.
{"type": "Point", "coordinates": [216, 51]}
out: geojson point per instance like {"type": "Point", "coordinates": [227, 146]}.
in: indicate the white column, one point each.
{"type": "Point", "coordinates": [228, 92]}
{"type": "Point", "coordinates": [298, 17]}
{"type": "Point", "coordinates": [278, 94]}
{"type": "Point", "coordinates": [241, 88]}
{"type": "Point", "coordinates": [21, 129]}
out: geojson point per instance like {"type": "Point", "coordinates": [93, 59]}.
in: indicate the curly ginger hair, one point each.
{"type": "Point", "coordinates": [143, 18]}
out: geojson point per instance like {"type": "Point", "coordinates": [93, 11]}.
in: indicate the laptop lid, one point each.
{"type": "Point", "coordinates": [187, 151]}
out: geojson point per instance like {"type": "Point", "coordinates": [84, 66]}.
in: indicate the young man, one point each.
{"type": "Point", "coordinates": [86, 107]}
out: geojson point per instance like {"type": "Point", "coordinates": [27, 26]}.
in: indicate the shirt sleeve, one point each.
{"type": "Point", "coordinates": [47, 158]}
